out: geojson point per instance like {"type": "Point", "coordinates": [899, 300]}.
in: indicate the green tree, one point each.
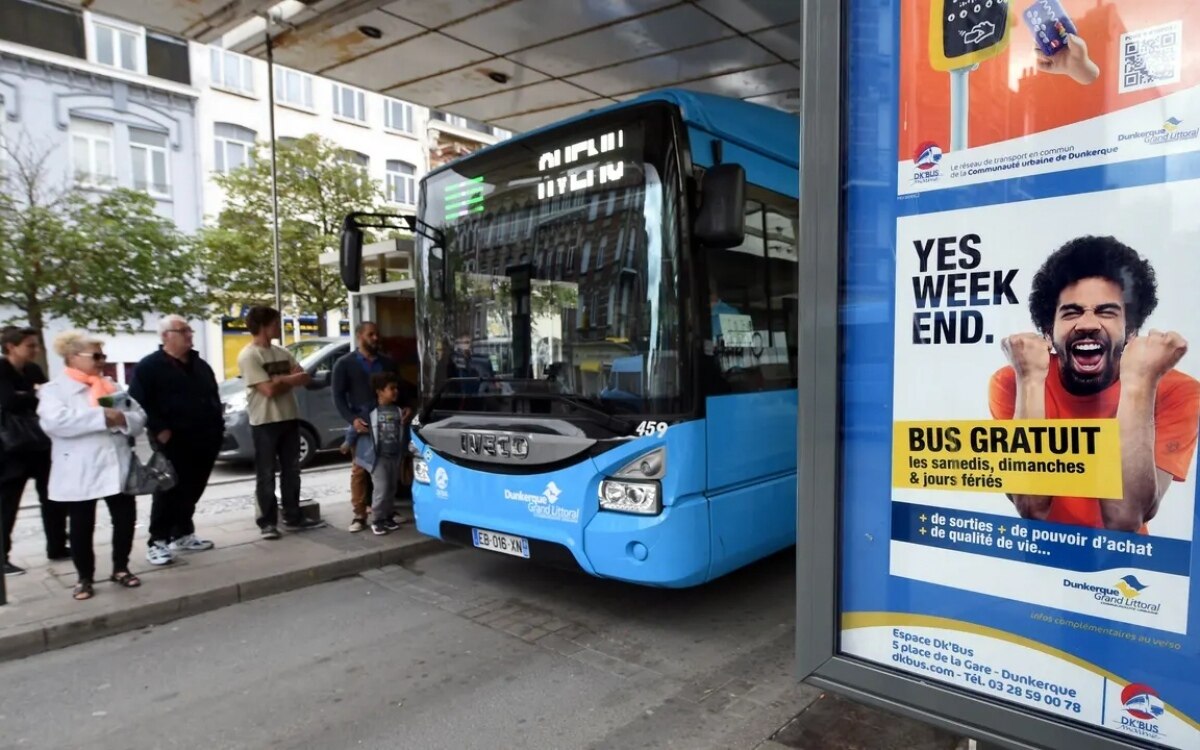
{"type": "Point", "coordinates": [318, 186]}
{"type": "Point", "coordinates": [101, 260]}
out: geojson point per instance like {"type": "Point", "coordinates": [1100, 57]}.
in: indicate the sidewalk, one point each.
{"type": "Point", "coordinates": [41, 615]}
{"type": "Point", "coordinates": [831, 722]}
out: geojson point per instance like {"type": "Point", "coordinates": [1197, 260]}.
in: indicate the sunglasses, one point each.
{"type": "Point", "coordinates": [94, 356]}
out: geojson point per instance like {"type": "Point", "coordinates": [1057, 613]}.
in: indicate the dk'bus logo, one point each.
{"type": "Point", "coordinates": [1141, 702]}
{"type": "Point", "coordinates": [927, 156]}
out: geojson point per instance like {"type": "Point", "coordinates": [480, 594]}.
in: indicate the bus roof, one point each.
{"type": "Point", "coordinates": [764, 130]}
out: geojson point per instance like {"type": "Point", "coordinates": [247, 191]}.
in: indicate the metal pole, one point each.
{"type": "Point", "coordinates": [274, 173]}
{"type": "Point", "coordinates": [960, 106]}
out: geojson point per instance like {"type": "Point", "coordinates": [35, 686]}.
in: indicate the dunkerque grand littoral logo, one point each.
{"type": "Point", "coordinates": [1172, 124]}
{"type": "Point", "coordinates": [1130, 587]}
{"type": "Point", "coordinates": [1142, 702]}
{"type": "Point", "coordinates": [927, 156]}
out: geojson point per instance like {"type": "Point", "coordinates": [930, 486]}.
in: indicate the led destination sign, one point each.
{"type": "Point", "coordinates": [610, 159]}
{"type": "Point", "coordinates": [561, 172]}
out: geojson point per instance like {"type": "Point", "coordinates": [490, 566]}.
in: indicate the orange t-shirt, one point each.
{"type": "Point", "coordinates": [1176, 422]}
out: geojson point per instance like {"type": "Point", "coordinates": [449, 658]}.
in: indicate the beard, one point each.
{"type": "Point", "coordinates": [371, 347]}
{"type": "Point", "coordinates": [1089, 362]}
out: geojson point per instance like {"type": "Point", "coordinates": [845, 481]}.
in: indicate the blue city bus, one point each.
{"type": "Point", "coordinates": [655, 242]}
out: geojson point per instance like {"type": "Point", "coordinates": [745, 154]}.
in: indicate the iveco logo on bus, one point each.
{"type": "Point", "coordinates": [495, 445]}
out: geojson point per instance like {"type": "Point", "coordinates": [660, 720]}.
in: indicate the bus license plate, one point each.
{"type": "Point", "coordinates": [506, 543]}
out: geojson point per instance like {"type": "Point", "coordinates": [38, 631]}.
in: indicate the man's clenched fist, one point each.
{"type": "Point", "coordinates": [1029, 355]}
{"type": "Point", "coordinates": [1147, 358]}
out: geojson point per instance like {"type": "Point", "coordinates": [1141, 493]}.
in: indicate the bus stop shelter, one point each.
{"type": "Point", "coordinates": [514, 64]}
{"type": "Point", "coordinates": [952, 148]}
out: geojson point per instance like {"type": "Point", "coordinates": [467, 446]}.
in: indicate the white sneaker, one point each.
{"type": "Point", "coordinates": [159, 554]}
{"type": "Point", "coordinates": [191, 543]}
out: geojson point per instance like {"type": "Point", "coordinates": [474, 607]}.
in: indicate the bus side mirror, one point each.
{"type": "Point", "coordinates": [350, 257]}
{"type": "Point", "coordinates": [721, 221]}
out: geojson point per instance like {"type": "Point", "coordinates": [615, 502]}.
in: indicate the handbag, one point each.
{"type": "Point", "coordinates": [156, 475]}
{"type": "Point", "coordinates": [22, 433]}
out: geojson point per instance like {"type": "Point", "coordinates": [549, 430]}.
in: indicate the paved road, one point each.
{"type": "Point", "coordinates": [464, 650]}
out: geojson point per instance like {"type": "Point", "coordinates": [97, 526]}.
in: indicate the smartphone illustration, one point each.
{"type": "Point", "coordinates": [1049, 24]}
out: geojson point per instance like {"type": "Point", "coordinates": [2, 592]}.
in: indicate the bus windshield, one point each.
{"type": "Point", "coordinates": [558, 275]}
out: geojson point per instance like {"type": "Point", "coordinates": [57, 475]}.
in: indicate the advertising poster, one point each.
{"type": "Point", "coordinates": [1033, 539]}
{"type": "Point", "coordinates": [1121, 85]}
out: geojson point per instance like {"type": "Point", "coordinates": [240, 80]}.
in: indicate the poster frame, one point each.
{"type": "Point", "coordinates": [818, 535]}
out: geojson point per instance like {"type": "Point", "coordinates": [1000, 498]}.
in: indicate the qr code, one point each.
{"type": "Point", "coordinates": [1151, 57]}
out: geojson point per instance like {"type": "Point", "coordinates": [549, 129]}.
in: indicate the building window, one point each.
{"type": "Point", "coordinates": [92, 152]}
{"type": "Point", "coordinates": [232, 72]}
{"type": "Point", "coordinates": [398, 116]}
{"type": "Point", "coordinates": [42, 25]}
{"type": "Point", "coordinates": [449, 119]}
{"type": "Point", "coordinates": [168, 58]}
{"type": "Point", "coordinates": [349, 104]}
{"type": "Point", "coordinates": [360, 163]}
{"type": "Point", "coordinates": [118, 45]}
{"type": "Point", "coordinates": [148, 157]}
{"type": "Point", "coordinates": [293, 88]}
{"type": "Point", "coordinates": [402, 183]}
{"type": "Point", "coordinates": [234, 146]}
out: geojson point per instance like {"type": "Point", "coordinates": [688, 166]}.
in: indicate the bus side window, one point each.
{"type": "Point", "coordinates": [738, 306]}
{"type": "Point", "coordinates": [752, 300]}
{"type": "Point", "coordinates": [781, 229]}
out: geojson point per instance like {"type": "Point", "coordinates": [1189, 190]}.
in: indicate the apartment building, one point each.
{"type": "Point", "coordinates": [111, 105]}
{"type": "Point", "coordinates": [120, 105]}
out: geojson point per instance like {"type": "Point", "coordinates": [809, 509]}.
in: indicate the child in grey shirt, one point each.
{"type": "Point", "coordinates": [381, 451]}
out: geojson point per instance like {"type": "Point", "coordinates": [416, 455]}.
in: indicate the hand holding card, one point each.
{"type": "Point", "coordinates": [1060, 50]}
{"type": "Point", "coordinates": [1050, 25]}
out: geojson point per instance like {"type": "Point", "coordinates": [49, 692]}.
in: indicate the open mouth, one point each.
{"type": "Point", "coordinates": [1088, 356]}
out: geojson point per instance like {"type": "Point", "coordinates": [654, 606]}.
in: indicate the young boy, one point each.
{"type": "Point", "coordinates": [381, 450]}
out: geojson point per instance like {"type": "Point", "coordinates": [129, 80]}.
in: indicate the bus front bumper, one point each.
{"type": "Point", "coordinates": [670, 549]}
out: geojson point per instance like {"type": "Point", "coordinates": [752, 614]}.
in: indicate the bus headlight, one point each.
{"type": "Point", "coordinates": [420, 471]}
{"type": "Point", "coordinates": [643, 498]}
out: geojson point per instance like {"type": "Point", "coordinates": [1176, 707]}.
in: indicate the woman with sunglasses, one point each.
{"type": "Point", "coordinates": [90, 454]}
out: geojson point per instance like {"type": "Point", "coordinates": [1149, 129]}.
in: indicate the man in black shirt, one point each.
{"type": "Point", "coordinates": [20, 377]}
{"type": "Point", "coordinates": [178, 390]}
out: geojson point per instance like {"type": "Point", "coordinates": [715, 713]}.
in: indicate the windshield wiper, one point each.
{"type": "Point", "coordinates": [583, 403]}
{"type": "Point", "coordinates": [424, 415]}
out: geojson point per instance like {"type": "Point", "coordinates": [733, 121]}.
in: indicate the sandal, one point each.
{"type": "Point", "coordinates": [83, 591]}
{"type": "Point", "coordinates": [126, 579]}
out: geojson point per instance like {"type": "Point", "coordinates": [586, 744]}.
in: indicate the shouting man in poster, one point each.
{"type": "Point", "coordinates": [1090, 361]}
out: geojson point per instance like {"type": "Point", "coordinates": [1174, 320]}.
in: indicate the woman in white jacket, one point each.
{"type": "Point", "coordinates": [90, 455]}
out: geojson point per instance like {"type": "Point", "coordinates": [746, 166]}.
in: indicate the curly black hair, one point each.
{"type": "Point", "coordinates": [381, 380]}
{"type": "Point", "coordinates": [1088, 258]}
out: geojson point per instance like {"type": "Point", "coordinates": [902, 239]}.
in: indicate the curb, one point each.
{"type": "Point", "coordinates": [56, 635]}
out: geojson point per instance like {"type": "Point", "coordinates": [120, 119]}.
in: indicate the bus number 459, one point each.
{"type": "Point", "coordinates": [650, 428]}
